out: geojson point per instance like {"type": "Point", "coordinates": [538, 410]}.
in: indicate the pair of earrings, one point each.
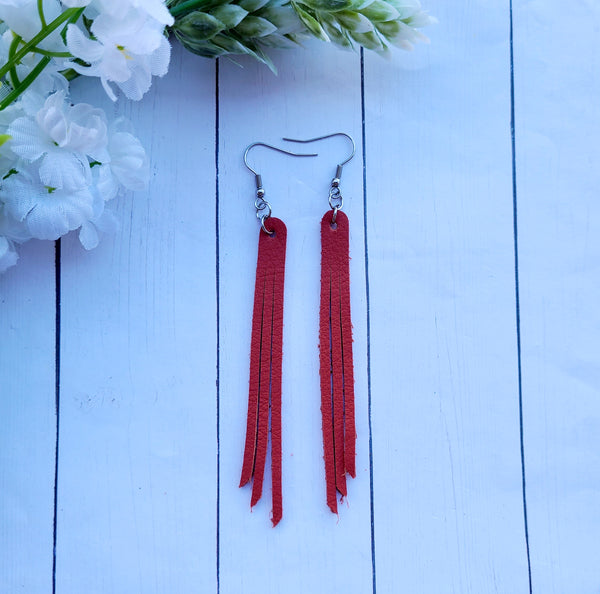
{"type": "Point", "coordinates": [335, 345]}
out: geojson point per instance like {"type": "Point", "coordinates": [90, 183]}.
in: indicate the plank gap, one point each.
{"type": "Point", "coordinates": [218, 314]}
{"type": "Point", "coordinates": [57, 271]}
{"type": "Point", "coordinates": [367, 297]}
{"type": "Point", "coordinates": [517, 302]}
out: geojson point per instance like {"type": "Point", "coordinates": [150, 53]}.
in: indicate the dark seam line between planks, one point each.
{"type": "Point", "coordinates": [517, 300]}
{"type": "Point", "coordinates": [218, 295]}
{"type": "Point", "coordinates": [57, 249]}
{"type": "Point", "coordinates": [364, 166]}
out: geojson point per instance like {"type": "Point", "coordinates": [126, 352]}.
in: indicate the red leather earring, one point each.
{"type": "Point", "coordinates": [335, 350]}
{"type": "Point", "coordinates": [266, 351]}
{"type": "Point", "coordinates": [335, 342]}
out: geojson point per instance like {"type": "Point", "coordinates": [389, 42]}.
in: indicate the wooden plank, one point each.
{"type": "Point", "coordinates": [557, 86]}
{"type": "Point", "coordinates": [445, 399]}
{"type": "Point", "coordinates": [27, 410]}
{"type": "Point", "coordinates": [138, 458]}
{"type": "Point", "coordinates": [317, 92]}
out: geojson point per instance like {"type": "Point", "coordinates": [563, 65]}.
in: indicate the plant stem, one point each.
{"type": "Point", "coordinates": [40, 6]}
{"type": "Point", "coordinates": [70, 74]}
{"type": "Point", "coordinates": [41, 52]}
{"type": "Point", "coordinates": [25, 83]}
{"type": "Point", "coordinates": [14, 79]}
{"type": "Point", "coordinates": [52, 26]}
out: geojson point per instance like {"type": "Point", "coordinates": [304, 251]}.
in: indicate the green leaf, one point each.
{"type": "Point", "coordinates": [391, 29]}
{"type": "Point", "coordinates": [338, 37]}
{"type": "Point", "coordinates": [404, 8]}
{"type": "Point", "coordinates": [199, 26]}
{"type": "Point", "coordinates": [354, 21]}
{"type": "Point", "coordinates": [183, 7]}
{"type": "Point", "coordinates": [328, 5]}
{"type": "Point", "coordinates": [201, 48]}
{"type": "Point", "coordinates": [310, 23]}
{"type": "Point", "coordinates": [380, 11]}
{"type": "Point", "coordinates": [233, 46]}
{"type": "Point", "coordinates": [4, 138]}
{"type": "Point", "coordinates": [284, 18]}
{"type": "Point", "coordinates": [296, 38]}
{"type": "Point", "coordinates": [253, 5]}
{"type": "Point", "coordinates": [396, 31]}
{"type": "Point", "coordinates": [420, 20]}
{"type": "Point", "coordinates": [367, 40]}
{"type": "Point", "coordinates": [229, 14]}
{"type": "Point", "coordinates": [363, 4]}
{"type": "Point", "coordinates": [278, 41]}
{"type": "Point", "coordinates": [253, 26]}
{"type": "Point", "coordinates": [260, 54]}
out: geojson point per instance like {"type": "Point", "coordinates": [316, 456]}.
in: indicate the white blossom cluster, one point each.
{"type": "Point", "coordinates": [60, 164]}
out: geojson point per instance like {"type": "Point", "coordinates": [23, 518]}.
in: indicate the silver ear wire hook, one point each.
{"type": "Point", "coordinates": [336, 200]}
{"type": "Point", "coordinates": [263, 208]}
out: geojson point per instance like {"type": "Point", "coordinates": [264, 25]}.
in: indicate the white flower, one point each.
{"type": "Point", "coordinates": [155, 9]}
{"type": "Point", "coordinates": [128, 161]}
{"type": "Point", "coordinates": [8, 254]}
{"type": "Point", "coordinates": [128, 166]}
{"type": "Point", "coordinates": [128, 51]}
{"type": "Point", "coordinates": [11, 232]}
{"type": "Point", "coordinates": [63, 136]}
{"type": "Point", "coordinates": [75, 3]}
{"type": "Point", "coordinates": [7, 157]}
{"type": "Point", "coordinates": [48, 81]}
{"type": "Point", "coordinates": [101, 221]}
{"type": "Point", "coordinates": [46, 213]}
{"type": "Point", "coordinates": [11, 228]}
{"type": "Point", "coordinates": [23, 18]}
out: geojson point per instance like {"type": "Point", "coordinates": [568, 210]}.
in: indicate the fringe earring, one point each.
{"type": "Point", "coordinates": [335, 342]}
{"type": "Point", "coordinates": [336, 363]}
{"type": "Point", "coordinates": [266, 351]}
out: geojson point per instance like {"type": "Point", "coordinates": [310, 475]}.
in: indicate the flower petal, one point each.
{"type": "Point", "coordinates": [65, 170]}
{"type": "Point", "coordinates": [8, 254]}
{"type": "Point", "coordinates": [83, 47]}
{"type": "Point", "coordinates": [28, 141]}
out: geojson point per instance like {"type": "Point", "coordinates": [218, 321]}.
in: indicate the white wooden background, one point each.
{"type": "Point", "coordinates": [475, 224]}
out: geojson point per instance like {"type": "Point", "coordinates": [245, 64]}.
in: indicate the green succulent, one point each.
{"type": "Point", "coordinates": [216, 28]}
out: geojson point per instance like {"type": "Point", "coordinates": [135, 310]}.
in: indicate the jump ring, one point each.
{"type": "Point", "coordinates": [262, 224]}
{"type": "Point", "coordinates": [339, 204]}
{"type": "Point", "coordinates": [262, 207]}
{"type": "Point", "coordinates": [334, 216]}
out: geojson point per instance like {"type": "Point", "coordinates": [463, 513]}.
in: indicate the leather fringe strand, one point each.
{"type": "Point", "coordinates": [264, 394]}
{"type": "Point", "coordinates": [336, 365]}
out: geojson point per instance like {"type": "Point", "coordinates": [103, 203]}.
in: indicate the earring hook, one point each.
{"type": "Point", "coordinates": [263, 208]}
{"type": "Point", "coordinates": [336, 200]}
{"type": "Point", "coordinates": [338, 172]}
{"type": "Point", "coordinates": [274, 148]}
